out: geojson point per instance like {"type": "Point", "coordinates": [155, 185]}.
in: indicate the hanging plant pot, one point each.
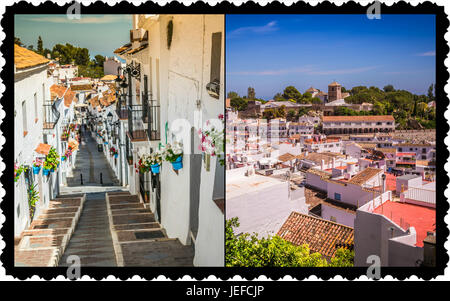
{"type": "Point", "coordinates": [63, 158]}
{"type": "Point", "coordinates": [36, 169]}
{"type": "Point", "coordinates": [178, 163]}
{"type": "Point", "coordinates": [46, 172]}
{"type": "Point", "coordinates": [155, 168]}
{"type": "Point", "coordinates": [116, 156]}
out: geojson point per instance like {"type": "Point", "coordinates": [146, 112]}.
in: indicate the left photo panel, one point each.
{"type": "Point", "coordinates": [118, 140]}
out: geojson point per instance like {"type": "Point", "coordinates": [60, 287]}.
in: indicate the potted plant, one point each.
{"type": "Point", "coordinates": [37, 165]}
{"type": "Point", "coordinates": [47, 168]}
{"type": "Point", "coordinates": [143, 164]}
{"type": "Point", "coordinates": [33, 197]}
{"type": "Point", "coordinates": [51, 160]}
{"type": "Point", "coordinates": [212, 141]}
{"type": "Point", "coordinates": [113, 152]}
{"type": "Point", "coordinates": [155, 161]}
{"type": "Point", "coordinates": [18, 170]}
{"type": "Point", "coordinates": [174, 155]}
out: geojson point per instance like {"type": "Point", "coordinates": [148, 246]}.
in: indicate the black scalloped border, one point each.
{"type": "Point", "coordinates": [200, 273]}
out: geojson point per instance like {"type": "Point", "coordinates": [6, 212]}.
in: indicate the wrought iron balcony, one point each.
{"type": "Point", "coordinates": [51, 115]}
{"type": "Point", "coordinates": [136, 123]}
{"type": "Point", "coordinates": [153, 120]}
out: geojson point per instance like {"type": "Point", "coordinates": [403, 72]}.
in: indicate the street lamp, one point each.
{"type": "Point", "coordinates": [109, 117]}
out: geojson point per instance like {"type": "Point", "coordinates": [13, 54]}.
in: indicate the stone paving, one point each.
{"type": "Point", "coordinates": [138, 239]}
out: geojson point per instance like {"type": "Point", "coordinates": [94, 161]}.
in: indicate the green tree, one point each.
{"type": "Point", "coordinates": [291, 114]}
{"type": "Point", "coordinates": [99, 60]}
{"type": "Point", "coordinates": [290, 92]}
{"type": "Point", "coordinates": [248, 250]}
{"type": "Point", "coordinates": [430, 93]}
{"type": "Point", "coordinates": [18, 42]}
{"type": "Point", "coordinates": [40, 47]}
{"type": "Point", "coordinates": [278, 97]}
{"type": "Point", "coordinates": [232, 95]}
{"type": "Point", "coordinates": [239, 103]}
{"type": "Point", "coordinates": [389, 88]}
{"type": "Point", "coordinates": [421, 109]}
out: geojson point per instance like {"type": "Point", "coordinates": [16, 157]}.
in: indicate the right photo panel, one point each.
{"type": "Point", "coordinates": [330, 140]}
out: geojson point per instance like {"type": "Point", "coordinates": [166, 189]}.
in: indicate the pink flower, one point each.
{"type": "Point", "coordinates": [220, 116]}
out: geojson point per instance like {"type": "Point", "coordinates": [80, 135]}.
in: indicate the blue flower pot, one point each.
{"type": "Point", "coordinates": [46, 172]}
{"type": "Point", "coordinates": [36, 169]}
{"type": "Point", "coordinates": [116, 155]}
{"type": "Point", "coordinates": [155, 168]}
{"type": "Point", "coordinates": [178, 164]}
{"type": "Point", "coordinates": [62, 158]}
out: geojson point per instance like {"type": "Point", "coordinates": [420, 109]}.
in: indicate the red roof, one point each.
{"type": "Point", "coordinates": [423, 219]}
{"type": "Point", "coordinates": [391, 182]}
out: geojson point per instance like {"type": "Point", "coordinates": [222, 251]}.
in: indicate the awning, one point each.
{"type": "Point", "coordinates": [43, 149]}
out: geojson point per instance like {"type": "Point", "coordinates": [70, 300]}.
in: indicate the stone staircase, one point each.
{"type": "Point", "coordinates": [45, 241]}
{"type": "Point", "coordinates": [139, 240]}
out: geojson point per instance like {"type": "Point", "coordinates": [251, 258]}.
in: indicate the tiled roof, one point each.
{"type": "Point", "coordinates": [358, 118]}
{"type": "Point", "coordinates": [24, 58]}
{"type": "Point", "coordinates": [94, 101]}
{"type": "Point", "coordinates": [109, 77]}
{"type": "Point", "coordinates": [125, 47]}
{"type": "Point", "coordinates": [387, 150]}
{"type": "Point", "coordinates": [69, 97]}
{"type": "Point", "coordinates": [364, 176]}
{"type": "Point", "coordinates": [43, 149]}
{"type": "Point", "coordinates": [57, 91]}
{"type": "Point", "coordinates": [321, 235]}
{"type": "Point", "coordinates": [136, 50]}
{"type": "Point", "coordinates": [81, 87]}
{"type": "Point", "coordinates": [286, 157]}
{"type": "Point", "coordinates": [334, 84]}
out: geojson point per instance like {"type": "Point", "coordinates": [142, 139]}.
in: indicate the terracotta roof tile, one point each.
{"type": "Point", "coordinates": [24, 58]}
{"type": "Point", "coordinates": [321, 235]}
{"type": "Point", "coordinates": [364, 176]}
{"type": "Point", "coordinates": [57, 91]}
{"type": "Point", "coordinates": [69, 97]}
{"type": "Point", "coordinates": [125, 47]}
{"type": "Point", "coordinates": [81, 87]}
{"type": "Point", "coordinates": [286, 157]}
{"type": "Point", "coordinates": [43, 149]}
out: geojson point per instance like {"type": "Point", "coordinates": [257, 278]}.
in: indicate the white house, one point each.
{"type": "Point", "coordinates": [180, 82]}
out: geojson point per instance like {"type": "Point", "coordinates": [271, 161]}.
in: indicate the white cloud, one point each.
{"type": "Point", "coordinates": [269, 27]}
{"type": "Point", "coordinates": [428, 53]}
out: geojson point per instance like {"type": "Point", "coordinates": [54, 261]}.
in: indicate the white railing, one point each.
{"type": "Point", "coordinates": [419, 196]}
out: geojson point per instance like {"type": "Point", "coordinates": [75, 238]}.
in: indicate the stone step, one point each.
{"type": "Point", "coordinates": [140, 235]}
{"type": "Point", "coordinates": [127, 206]}
{"type": "Point", "coordinates": [45, 257]}
{"type": "Point", "coordinates": [129, 211]}
{"type": "Point", "coordinates": [138, 226]}
{"type": "Point", "coordinates": [133, 218]}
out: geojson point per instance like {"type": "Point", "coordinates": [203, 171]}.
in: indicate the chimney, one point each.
{"type": "Point", "coordinates": [429, 250]}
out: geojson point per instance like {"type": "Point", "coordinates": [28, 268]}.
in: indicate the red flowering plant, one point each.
{"type": "Point", "coordinates": [212, 139]}
{"type": "Point", "coordinates": [113, 151]}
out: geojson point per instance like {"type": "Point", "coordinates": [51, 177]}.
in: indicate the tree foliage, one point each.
{"type": "Point", "coordinates": [248, 250]}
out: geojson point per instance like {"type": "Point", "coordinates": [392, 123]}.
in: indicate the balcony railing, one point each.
{"type": "Point", "coordinates": [121, 108]}
{"type": "Point", "coordinates": [153, 128]}
{"type": "Point", "coordinates": [51, 115]}
{"type": "Point", "coordinates": [136, 123]}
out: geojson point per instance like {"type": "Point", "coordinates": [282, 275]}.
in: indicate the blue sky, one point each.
{"type": "Point", "coordinates": [270, 52]}
{"type": "Point", "coordinates": [101, 34]}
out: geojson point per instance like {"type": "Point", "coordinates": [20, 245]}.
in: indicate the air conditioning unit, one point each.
{"type": "Point", "coordinates": [138, 35]}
